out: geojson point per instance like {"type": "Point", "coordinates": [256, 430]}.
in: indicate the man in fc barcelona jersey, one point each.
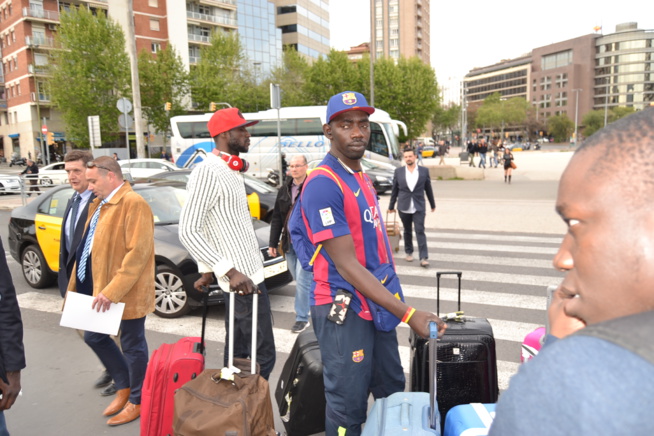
{"type": "Point", "coordinates": [342, 214]}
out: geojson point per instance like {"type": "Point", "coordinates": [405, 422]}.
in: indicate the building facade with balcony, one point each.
{"type": "Point", "coordinates": [401, 29]}
{"type": "Point", "coordinates": [304, 25]}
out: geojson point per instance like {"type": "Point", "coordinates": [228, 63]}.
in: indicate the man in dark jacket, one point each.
{"type": "Point", "coordinates": [410, 185]}
{"type": "Point", "coordinates": [283, 206]}
{"type": "Point", "coordinates": [12, 353]}
{"type": "Point", "coordinates": [32, 174]}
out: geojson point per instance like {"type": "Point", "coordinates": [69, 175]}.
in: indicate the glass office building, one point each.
{"type": "Point", "coordinates": [260, 38]}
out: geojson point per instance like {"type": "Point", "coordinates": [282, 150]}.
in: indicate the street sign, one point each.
{"type": "Point", "coordinates": [44, 129]}
{"type": "Point", "coordinates": [94, 131]}
{"type": "Point", "coordinates": [125, 121]}
{"type": "Point", "coordinates": [124, 105]}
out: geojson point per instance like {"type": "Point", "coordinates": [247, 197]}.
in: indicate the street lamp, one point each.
{"type": "Point", "coordinates": [578, 90]}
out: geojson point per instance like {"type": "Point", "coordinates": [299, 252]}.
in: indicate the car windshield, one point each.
{"type": "Point", "coordinates": [258, 185]}
{"type": "Point", "coordinates": [166, 202]}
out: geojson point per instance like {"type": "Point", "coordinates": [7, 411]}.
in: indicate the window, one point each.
{"type": "Point", "coordinates": [13, 36]}
{"type": "Point", "coordinates": [18, 88]}
{"type": "Point", "coordinates": [561, 99]}
{"type": "Point", "coordinates": [562, 80]}
{"type": "Point", "coordinates": [57, 204]}
{"type": "Point", "coordinates": [153, 3]}
{"type": "Point", "coordinates": [556, 60]}
{"type": "Point", "coordinates": [154, 25]}
{"type": "Point", "coordinates": [545, 83]}
{"type": "Point", "coordinates": [156, 47]}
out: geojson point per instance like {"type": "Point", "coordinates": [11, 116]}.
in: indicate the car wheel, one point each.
{"type": "Point", "coordinates": [35, 269]}
{"type": "Point", "coordinates": [46, 181]}
{"type": "Point", "coordinates": [170, 298]}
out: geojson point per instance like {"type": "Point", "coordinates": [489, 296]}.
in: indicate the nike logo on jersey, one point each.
{"type": "Point", "coordinates": [356, 194]}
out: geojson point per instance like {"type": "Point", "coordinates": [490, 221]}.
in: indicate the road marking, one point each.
{"type": "Point", "coordinates": [484, 276]}
{"type": "Point", "coordinates": [494, 237]}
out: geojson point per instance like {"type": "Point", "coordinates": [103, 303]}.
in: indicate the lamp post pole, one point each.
{"type": "Point", "coordinates": [578, 90]}
{"type": "Point", "coordinates": [606, 103]}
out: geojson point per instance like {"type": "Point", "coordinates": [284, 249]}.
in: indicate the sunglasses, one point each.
{"type": "Point", "coordinates": [94, 165]}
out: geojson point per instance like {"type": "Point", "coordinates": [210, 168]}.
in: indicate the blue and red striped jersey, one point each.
{"type": "Point", "coordinates": [331, 211]}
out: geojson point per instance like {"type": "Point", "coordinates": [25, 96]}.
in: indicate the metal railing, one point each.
{"type": "Point", "coordinates": [41, 13]}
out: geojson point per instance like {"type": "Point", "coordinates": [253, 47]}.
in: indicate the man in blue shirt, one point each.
{"type": "Point", "coordinates": [586, 383]}
{"type": "Point", "coordinates": [342, 212]}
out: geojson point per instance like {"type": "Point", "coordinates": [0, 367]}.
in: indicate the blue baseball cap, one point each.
{"type": "Point", "coordinates": [347, 101]}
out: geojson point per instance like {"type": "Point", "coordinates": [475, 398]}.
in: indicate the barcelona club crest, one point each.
{"type": "Point", "coordinates": [357, 356]}
{"type": "Point", "coordinates": [349, 98]}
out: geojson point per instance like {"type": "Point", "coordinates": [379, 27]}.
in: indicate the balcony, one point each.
{"type": "Point", "coordinates": [39, 42]}
{"type": "Point", "coordinates": [41, 15]}
{"type": "Point", "coordinates": [37, 69]}
{"type": "Point", "coordinates": [198, 38]}
{"type": "Point", "coordinates": [220, 3]}
{"type": "Point", "coordinates": [225, 21]}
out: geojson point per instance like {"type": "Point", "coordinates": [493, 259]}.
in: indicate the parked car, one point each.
{"type": "Point", "coordinates": [428, 151]}
{"type": "Point", "coordinates": [261, 196]}
{"type": "Point", "coordinates": [34, 233]}
{"type": "Point", "coordinates": [382, 177]}
{"type": "Point", "coordinates": [53, 174]}
{"type": "Point", "coordinates": [9, 184]}
{"type": "Point", "coordinates": [141, 168]}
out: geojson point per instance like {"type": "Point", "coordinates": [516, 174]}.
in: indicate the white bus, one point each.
{"type": "Point", "coordinates": [301, 132]}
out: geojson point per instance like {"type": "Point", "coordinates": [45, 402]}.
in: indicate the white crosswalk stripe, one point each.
{"type": "Point", "coordinates": [489, 290]}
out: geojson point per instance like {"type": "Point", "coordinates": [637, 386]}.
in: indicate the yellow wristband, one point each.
{"type": "Point", "coordinates": [409, 313]}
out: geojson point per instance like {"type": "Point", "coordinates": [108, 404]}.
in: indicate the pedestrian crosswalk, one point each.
{"type": "Point", "coordinates": [505, 277]}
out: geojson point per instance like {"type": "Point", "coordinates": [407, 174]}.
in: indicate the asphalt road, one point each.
{"type": "Point", "coordinates": [501, 236]}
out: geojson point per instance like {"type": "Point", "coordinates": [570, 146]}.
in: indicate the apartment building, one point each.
{"type": "Point", "coordinates": [304, 25]}
{"type": "Point", "coordinates": [401, 28]}
{"type": "Point", "coordinates": [27, 29]}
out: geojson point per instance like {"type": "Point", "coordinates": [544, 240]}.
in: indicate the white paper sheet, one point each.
{"type": "Point", "coordinates": [79, 315]}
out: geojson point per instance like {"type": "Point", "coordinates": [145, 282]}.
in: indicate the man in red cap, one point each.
{"type": "Point", "coordinates": [216, 228]}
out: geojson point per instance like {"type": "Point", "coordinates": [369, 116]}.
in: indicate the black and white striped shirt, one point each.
{"type": "Point", "coordinates": [215, 225]}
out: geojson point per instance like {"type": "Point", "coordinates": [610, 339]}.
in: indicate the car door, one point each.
{"type": "Point", "coordinates": [47, 221]}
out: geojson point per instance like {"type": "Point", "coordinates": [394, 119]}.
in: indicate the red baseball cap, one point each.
{"type": "Point", "coordinates": [225, 120]}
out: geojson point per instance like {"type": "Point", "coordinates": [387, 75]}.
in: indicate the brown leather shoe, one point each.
{"type": "Point", "coordinates": [128, 414]}
{"type": "Point", "coordinates": [122, 395]}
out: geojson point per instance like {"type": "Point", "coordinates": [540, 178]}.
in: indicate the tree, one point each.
{"type": "Point", "coordinates": [561, 127]}
{"type": "Point", "coordinates": [408, 91]}
{"type": "Point", "coordinates": [291, 77]}
{"type": "Point", "coordinates": [446, 119]}
{"type": "Point", "coordinates": [594, 120]}
{"type": "Point", "coordinates": [93, 60]}
{"type": "Point", "coordinates": [497, 113]}
{"type": "Point", "coordinates": [330, 75]}
{"type": "Point", "coordinates": [224, 74]}
{"type": "Point", "coordinates": [163, 79]}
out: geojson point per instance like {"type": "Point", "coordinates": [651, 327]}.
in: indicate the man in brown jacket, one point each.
{"type": "Point", "coordinates": [115, 263]}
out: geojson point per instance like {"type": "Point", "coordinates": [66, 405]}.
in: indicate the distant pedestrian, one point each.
{"type": "Point", "coordinates": [165, 155]}
{"type": "Point", "coordinates": [472, 149]}
{"type": "Point", "coordinates": [442, 151]}
{"type": "Point", "coordinates": [410, 185]}
{"type": "Point", "coordinates": [115, 156]}
{"type": "Point", "coordinates": [483, 149]}
{"type": "Point", "coordinates": [31, 173]}
{"type": "Point", "coordinates": [494, 157]}
{"type": "Point", "coordinates": [419, 150]}
{"type": "Point", "coordinates": [508, 164]}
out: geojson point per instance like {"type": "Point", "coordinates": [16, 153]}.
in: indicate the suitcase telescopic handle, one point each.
{"type": "Point", "coordinates": [438, 289]}
{"type": "Point", "coordinates": [434, 417]}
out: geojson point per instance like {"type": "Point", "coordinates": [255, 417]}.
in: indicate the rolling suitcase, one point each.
{"type": "Point", "coordinates": [407, 413]}
{"type": "Point", "coordinates": [300, 390]}
{"type": "Point", "coordinates": [170, 366]}
{"type": "Point", "coordinates": [467, 362]}
{"type": "Point", "coordinates": [232, 401]}
{"type": "Point", "coordinates": [393, 231]}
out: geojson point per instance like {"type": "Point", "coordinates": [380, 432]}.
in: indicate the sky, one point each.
{"type": "Point", "coordinates": [476, 33]}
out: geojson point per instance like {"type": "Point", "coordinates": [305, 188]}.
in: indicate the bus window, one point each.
{"type": "Point", "coordinates": [292, 127]}
{"type": "Point", "coordinates": [193, 129]}
{"type": "Point", "coordinates": [377, 142]}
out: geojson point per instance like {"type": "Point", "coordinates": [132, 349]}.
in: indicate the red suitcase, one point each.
{"type": "Point", "coordinates": [171, 366]}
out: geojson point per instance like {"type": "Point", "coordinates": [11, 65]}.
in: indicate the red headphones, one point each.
{"type": "Point", "coordinates": [235, 162]}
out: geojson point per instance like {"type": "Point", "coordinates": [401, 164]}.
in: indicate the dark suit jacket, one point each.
{"type": "Point", "coordinates": [12, 353]}
{"type": "Point", "coordinates": [403, 195]}
{"type": "Point", "coordinates": [67, 259]}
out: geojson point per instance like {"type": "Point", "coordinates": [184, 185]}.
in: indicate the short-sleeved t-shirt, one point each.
{"type": "Point", "coordinates": [332, 212]}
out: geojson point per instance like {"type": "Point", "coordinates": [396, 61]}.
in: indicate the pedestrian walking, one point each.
{"type": "Point", "coordinates": [509, 164]}
{"type": "Point", "coordinates": [483, 149]}
{"type": "Point", "coordinates": [410, 185]}
{"type": "Point", "coordinates": [472, 149]}
{"type": "Point", "coordinates": [442, 151]}
{"type": "Point", "coordinates": [31, 173]}
{"type": "Point", "coordinates": [419, 150]}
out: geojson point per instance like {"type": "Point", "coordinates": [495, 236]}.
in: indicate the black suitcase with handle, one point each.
{"type": "Point", "coordinates": [467, 362]}
{"type": "Point", "coordinates": [300, 392]}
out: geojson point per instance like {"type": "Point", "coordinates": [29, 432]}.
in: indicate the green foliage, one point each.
{"type": "Point", "coordinates": [497, 113]}
{"type": "Point", "coordinates": [594, 120]}
{"type": "Point", "coordinates": [163, 79]}
{"type": "Point", "coordinates": [408, 91]}
{"type": "Point", "coordinates": [561, 127]}
{"type": "Point", "coordinates": [446, 119]}
{"type": "Point", "coordinates": [328, 76]}
{"type": "Point", "coordinates": [89, 73]}
{"type": "Point", "coordinates": [291, 77]}
{"type": "Point", "coordinates": [224, 74]}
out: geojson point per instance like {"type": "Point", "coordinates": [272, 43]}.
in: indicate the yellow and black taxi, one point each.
{"type": "Point", "coordinates": [34, 237]}
{"type": "Point", "coordinates": [261, 197]}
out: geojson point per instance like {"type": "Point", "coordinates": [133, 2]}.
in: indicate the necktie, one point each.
{"type": "Point", "coordinates": [73, 218]}
{"type": "Point", "coordinates": [81, 267]}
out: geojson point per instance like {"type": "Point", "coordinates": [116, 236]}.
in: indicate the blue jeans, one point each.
{"type": "Point", "coordinates": [409, 220]}
{"type": "Point", "coordinates": [303, 280]}
{"type": "Point", "coordinates": [357, 360]}
{"type": "Point", "coordinates": [127, 368]}
{"type": "Point", "coordinates": [482, 160]}
{"type": "Point", "coordinates": [3, 425]}
{"type": "Point", "coordinates": [266, 354]}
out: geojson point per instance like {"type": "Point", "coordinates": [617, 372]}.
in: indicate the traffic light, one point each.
{"type": "Point", "coordinates": [212, 107]}
{"type": "Point", "coordinates": [169, 106]}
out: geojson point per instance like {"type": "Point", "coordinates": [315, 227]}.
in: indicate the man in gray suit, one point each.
{"type": "Point", "coordinates": [72, 231]}
{"type": "Point", "coordinates": [410, 185]}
